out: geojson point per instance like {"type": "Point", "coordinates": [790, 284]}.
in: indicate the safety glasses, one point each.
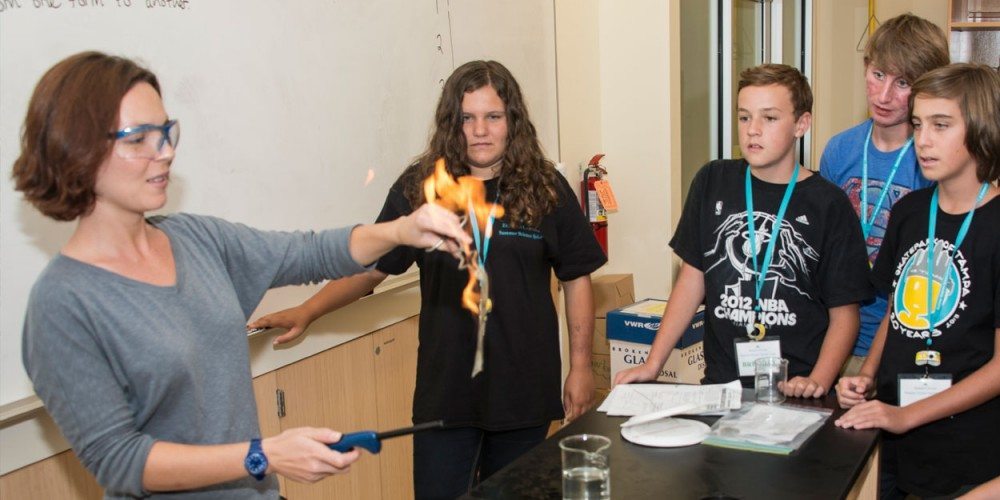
{"type": "Point", "coordinates": [146, 141]}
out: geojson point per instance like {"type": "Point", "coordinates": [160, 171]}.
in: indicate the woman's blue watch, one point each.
{"type": "Point", "coordinates": [256, 461]}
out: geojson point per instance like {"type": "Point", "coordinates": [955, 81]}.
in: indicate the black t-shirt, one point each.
{"type": "Point", "coordinates": [819, 262]}
{"type": "Point", "coordinates": [938, 457]}
{"type": "Point", "coordinates": [521, 379]}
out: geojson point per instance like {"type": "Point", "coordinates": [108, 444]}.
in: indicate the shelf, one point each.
{"type": "Point", "coordinates": [17, 410]}
{"type": "Point", "coordinates": [975, 25]}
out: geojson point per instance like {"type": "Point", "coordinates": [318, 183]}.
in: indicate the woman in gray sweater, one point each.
{"type": "Point", "coordinates": [134, 335]}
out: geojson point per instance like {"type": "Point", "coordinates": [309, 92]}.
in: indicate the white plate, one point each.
{"type": "Point", "coordinates": [667, 433]}
{"type": "Point", "coordinates": [657, 415]}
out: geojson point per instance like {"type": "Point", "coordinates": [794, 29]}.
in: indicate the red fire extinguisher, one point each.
{"type": "Point", "coordinates": [591, 203]}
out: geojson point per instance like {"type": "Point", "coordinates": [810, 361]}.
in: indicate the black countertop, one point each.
{"type": "Point", "coordinates": [826, 466]}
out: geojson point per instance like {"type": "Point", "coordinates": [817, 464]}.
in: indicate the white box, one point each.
{"type": "Point", "coordinates": [631, 330]}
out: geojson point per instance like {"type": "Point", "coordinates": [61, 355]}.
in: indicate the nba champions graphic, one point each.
{"type": "Point", "coordinates": [948, 286]}
{"type": "Point", "coordinates": [730, 259]}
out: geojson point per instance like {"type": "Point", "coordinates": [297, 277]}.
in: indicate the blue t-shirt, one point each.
{"type": "Point", "coordinates": [841, 165]}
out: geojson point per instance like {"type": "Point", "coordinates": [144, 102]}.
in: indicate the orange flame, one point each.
{"type": "Point", "coordinates": [460, 196]}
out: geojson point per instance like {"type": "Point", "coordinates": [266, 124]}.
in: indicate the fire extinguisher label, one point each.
{"type": "Point", "coordinates": [606, 196]}
{"type": "Point", "coordinates": [595, 208]}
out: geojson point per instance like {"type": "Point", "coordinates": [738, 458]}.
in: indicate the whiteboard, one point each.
{"type": "Point", "coordinates": [294, 115]}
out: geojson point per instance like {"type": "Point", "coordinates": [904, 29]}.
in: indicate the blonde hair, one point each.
{"type": "Point", "coordinates": [908, 46]}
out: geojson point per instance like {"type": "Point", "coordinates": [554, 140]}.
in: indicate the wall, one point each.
{"type": "Point", "coordinates": [578, 81]}
{"type": "Point", "coordinates": [635, 122]}
{"type": "Point", "coordinates": [696, 88]}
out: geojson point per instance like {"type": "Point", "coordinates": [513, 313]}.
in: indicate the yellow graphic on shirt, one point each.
{"type": "Point", "coordinates": [913, 314]}
{"type": "Point", "coordinates": [911, 311]}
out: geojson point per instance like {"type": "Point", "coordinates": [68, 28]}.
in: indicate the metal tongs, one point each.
{"type": "Point", "coordinates": [465, 259]}
{"type": "Point", "coordinates": [484, 311]}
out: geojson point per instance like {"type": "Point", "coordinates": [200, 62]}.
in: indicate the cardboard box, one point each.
{"type": "Point", "coordinates": [600, 364]}
{"type": "Point", "coordinates": [599, 395]}
{"type": "Point", "coordinates": [611, 291]}
{"type": "Point", "coordinates": [637, 323]}
{"type": "Point", "coordinates": [631, 331]}
{"type": "Point", "coordinates": [685, 366]}
{"type": "Point", "coordinates": [600, 337]}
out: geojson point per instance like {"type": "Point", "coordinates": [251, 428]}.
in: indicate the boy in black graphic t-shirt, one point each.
{"type": "Point", "coordinates": [795, 290]}
{"type": "Point", "coordinates": [933, 364]}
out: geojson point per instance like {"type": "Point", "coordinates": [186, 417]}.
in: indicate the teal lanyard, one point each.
{"type": "Point", "coordinates": [868, 222]}
{"type": "Point", "coordinates": [484, 247]}
{"type": "Point", "coordinates": [934, 311]}
{"type": "Point", "coordinates": [760, 274]}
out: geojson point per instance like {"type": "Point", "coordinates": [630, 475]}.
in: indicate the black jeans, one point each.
{"type": "Point", "coordinates": [448, 463]}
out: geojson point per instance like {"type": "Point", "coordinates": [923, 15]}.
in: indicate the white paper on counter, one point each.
{"type": "Point", "coordinates": [627, 400]}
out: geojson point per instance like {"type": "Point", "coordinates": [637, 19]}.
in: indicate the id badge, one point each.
{"type": "Point", "coordinates": [748, 351]}
{"type": "Point", "coordinates": [916, 386]}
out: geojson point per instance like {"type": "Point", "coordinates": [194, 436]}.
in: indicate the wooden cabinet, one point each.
{"type": "Point", "coordinates": [974, 31]}
{"type": "Point", "coordinates": [265, 388]}
{"type": "Point", "coordinates": [395, 381]}
{"type": "Point", "coordinates": [365, 384]}
{"type": "Point", "coordinates": [335, 389]}
{"type": "Point", "coordinates": [61, 476]}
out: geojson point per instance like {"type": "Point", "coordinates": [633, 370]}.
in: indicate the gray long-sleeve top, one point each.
{"type": "Point", "coordinates": [121, 364]}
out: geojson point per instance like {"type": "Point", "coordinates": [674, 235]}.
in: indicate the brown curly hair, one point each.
{"type": "Point", "coordinates": [64, 139]}
{"type": "Point", "coordinates": [528, 181]}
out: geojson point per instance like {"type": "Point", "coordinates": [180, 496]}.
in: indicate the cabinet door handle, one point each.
{"type": "Point", "coordinates": [280, 399]}
{"type": "Point", "coordinates": [378, 348]}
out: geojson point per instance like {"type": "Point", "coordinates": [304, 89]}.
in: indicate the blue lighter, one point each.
{"type": "Point", "coordinates": [372, 441]}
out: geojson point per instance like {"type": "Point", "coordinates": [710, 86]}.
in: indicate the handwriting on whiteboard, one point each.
{"type": "Point", "coordinates": [6, 5]}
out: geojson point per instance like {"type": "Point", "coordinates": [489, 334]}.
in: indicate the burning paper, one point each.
{"type": "Point", "coordinates": [467, 196]}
